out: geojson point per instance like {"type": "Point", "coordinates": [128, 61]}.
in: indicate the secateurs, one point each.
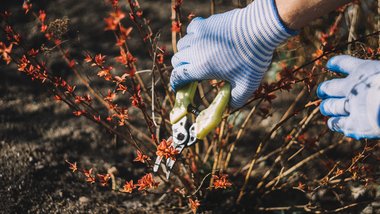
{"type": "Point", "coordinates": [186, 134]}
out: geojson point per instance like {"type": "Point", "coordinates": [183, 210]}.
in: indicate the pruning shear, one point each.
{"type": "Point", "coordinates": [186, 134]}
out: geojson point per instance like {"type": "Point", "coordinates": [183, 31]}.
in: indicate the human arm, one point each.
{"type": "Point", "coordinates": [237, 46]}
{"type": "Point", "coordinates": [296, 14]}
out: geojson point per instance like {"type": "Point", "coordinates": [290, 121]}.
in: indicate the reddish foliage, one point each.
{"type": "Point", "coordinates": [88, 58]}
{"type": "Point", "coordinates": [194, 204]}
{"type": "Point", "coordinates": [301, 186]}
{"type": "Point", "coordinates": [125, 58]}
{"type": "Point", "coordinates": [110, 96]}
{"type": "Point", "coordinates": [176, 26]}
{"type": "Point", "coordinates": [57, 98]}
{"type": "Point", "coordinates": [221, 181]}
{"type": "Point", "coordinates": [73, 166]}
{"type": "Point", "coordinates": [166, 150]}
{"type": "Point", "coordinates": [125, 32]}
{"type": "Point", "coordinates": [27, 6]}
{"type": "Point", "coordinates": [5, 52]}
{"type": "Point", "coordinates": [137, 100]}
{"type": "Point", "coordinates": [42, 16]}
{"type": "Point", "coordinates": [96, 118]}
{"type": "Point", "coordinates": [79, 113]}
{"type": "Point", "coordinates": [103, 179]}
{"type": "Point", "coordinates": [122, 116]}
{"type": "Point", "coordinates": [122, 88]}
{"type": "Point", "coordinates": [70, 89]}
{"type": "Point", "coordinates": [99, 60]}
{"type": "Point", "coordinates": [90, 178]}
{"type": "Point", "coordinates": [318, 53]}
{"type": "Point", "coordinates": [147, 182]}
{"type": "Point", "coordinates": [160, 58]}
{"type": "Point", "coordinates": [113, 20]}
{"type": "Point", "coordinates": [128, 187]}
{"type": "Point", "coordinates": [106, 73]}
{"type": "Point", "coordinates": [32, 52]}
{"type": "Point", "coordinates": [141, 157]}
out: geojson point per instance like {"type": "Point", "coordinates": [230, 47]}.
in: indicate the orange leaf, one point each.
{"type": "Point", "coordinates": [194, 204]}
{"type": "Point", "coordinates": [73, 166]}
{"type": "Point", "coordinates": [221, 181]}
{"type": "Point", "coordinates": [311, 103]}
{"type": "Point", "coordinates": [128, 187]}
{"type": "Point", "coordinates": [147, 182]}
{"type": "Point", "coordinates": [166, 150]}
{"type": "Point", "coordinates": [103, 179]}
{"type": "Point", "coordinates": [141, 157]}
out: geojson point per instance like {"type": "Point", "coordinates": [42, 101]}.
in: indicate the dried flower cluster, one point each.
{"type": "Point", "coordinates": [144, 183]}
{"type": "Point", "coordinates": [221, 181]}
{"type": "Point", "coordinates": [194, 204]}
{"type": "Point", "coordinates": [166, 150]}
{"type": "Point", "coordinates": [141, 157]}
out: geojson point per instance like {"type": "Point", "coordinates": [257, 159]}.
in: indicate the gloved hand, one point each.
{"type": "Point", "coordinates": [236, 46]}
{"type": "Point", "coordinates": [352, 102]}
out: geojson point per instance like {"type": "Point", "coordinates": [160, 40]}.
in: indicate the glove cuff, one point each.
{"type": "Point", "coordinates": [257, 30]}
{"type": "Point", "coordinates": [279, 21]}
{"type": "Point", "coordinates": [264, 21]}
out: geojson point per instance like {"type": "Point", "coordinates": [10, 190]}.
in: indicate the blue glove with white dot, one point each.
{"type": "Point", "coordinates": [236, 46]}
{"type": "Point", "coordinates": [353, 102]}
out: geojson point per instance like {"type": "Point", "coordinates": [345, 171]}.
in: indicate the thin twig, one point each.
{"type": "Point", "coordinates": [240, 133]}
{"type": "Point", "coordinates": [200, 185]}
{"type": "Point", "coordinates": [303, 162]}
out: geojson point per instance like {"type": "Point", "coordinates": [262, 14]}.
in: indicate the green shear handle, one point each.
{"type": "Point", "coordinates": [207, 119]}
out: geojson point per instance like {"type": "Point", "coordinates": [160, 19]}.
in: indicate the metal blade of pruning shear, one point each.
{"type": "Point", "coordinates": [179, 147]}
{"type": "Point", "coordinates": [170, 162]}
{"type": "Point", "coordinates": [157, 163]}
{"type": "Point", "coordinates": [180, 137]}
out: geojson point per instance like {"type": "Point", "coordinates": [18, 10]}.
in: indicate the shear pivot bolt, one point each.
{"type": "Point", "coordinates": [180, 136]}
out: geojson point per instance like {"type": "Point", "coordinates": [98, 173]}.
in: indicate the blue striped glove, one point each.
{"type": "Point", "coordinates": [236, 46]}
{"type": "Point", "coordinates": [352, 102]}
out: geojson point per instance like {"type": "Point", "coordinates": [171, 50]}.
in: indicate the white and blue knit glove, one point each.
{"type": "Point", "coordinates": [352, 102]}
{"type": "Point", "coordinates": [236, 46]}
